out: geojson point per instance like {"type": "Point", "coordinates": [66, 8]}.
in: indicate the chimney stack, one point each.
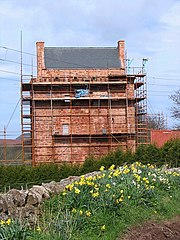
{"type": "Point", "coordinates": [121, 50]}
{"type": "Point", "coordinates": [40, 58]}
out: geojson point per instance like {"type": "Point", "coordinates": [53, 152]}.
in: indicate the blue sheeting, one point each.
{"type": "Point", "coordinates": [81, 93]}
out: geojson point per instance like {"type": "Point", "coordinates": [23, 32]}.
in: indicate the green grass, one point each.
{"type": "Point", "coordinates": [107, 205]}
{"type": "Point", "coordinates": [120, 200]}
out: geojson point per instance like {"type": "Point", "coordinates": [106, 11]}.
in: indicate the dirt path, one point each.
{"type": "Point", "coordinates": [167, 230]}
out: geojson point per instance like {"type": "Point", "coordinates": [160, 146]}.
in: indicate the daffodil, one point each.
{"type": "Point", "coordinates": [116, 173]}
{"type": "Point", "coordinates": [96, 194]}
{"type": "Point", "coordinates": [70, 187]}
{"type": "Point", "coordinates": [2, 222]}
{"type": "Point", "coordinates": [102, 168]}
{"type": "Point", "coordinates": [126, 171]}
{"type": "Point", "coordinates": [8, 222]}
{"type": "Point", "coordinates": [108, 185]}
{"type": "Point", "coordinates": [76, 190]}
{"type": "Point", "coordinates": [81, 212]}
{"type": "Point", "coordinates": [88, 213]}
{"type": "Point", "coordinates": [64, 193]}
{"type": "Point", "coordinates": [38, 229]}
{"type": "Point", "coordinates": [112, 167]}
{"type": "Point", "coordinates": [74, 210]}
{"type": "Point", "coordinates": [103, 227]}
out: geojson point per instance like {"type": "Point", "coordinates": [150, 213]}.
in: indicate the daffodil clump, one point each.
{"type": "Point", "coordinates": [5, 222]}
{"type": "Point", "coordinates": [89, 203]}
{"type": "Point", "coordinates": [11, 229]}
{"type": "Point", "coordinates": [114, 188]}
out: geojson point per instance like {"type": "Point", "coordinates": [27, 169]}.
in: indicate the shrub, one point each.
{"type": "Point", "coordinates": [148, 154]}
{"type": "Point", "coordinates": [90, 164]}
{"type": "Point", "coordinates": [171, 153]}
{"type": "Point", "coordinates": [17, 176]}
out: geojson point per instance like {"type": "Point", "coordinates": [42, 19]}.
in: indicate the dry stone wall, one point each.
{"type": "Point", "coordinates": [26, 204]}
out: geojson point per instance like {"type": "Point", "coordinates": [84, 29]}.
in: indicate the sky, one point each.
{"type": "Point", "coordinates": [151, 29]}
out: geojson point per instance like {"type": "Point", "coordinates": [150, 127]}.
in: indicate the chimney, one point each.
{"type": "Point", "coordinates": [40, 58]}
{"type": "Point", "coordinates": [121, 50]}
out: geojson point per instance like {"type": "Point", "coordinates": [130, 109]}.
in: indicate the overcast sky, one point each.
{"type": "Point", "coordinates": [150, 28]}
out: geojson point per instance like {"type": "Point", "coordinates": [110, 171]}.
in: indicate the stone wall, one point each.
{"type": "Point", "coordinates": [26, 204]}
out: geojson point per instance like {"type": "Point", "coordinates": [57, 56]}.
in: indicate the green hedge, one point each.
{"type": "Point", "coordinates": [26, 176]}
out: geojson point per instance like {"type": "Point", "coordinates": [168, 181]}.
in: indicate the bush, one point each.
{"type": "Point", "coordinates": [18, 176]}
{"type": "Point", "coordinates": [171, 153]}
{"type": "Point", "coordinates": [90, 164]}
{"type": "Point", "coordinates": [26, 176]}
{"type": "Point", "coordinates": [148, 154]}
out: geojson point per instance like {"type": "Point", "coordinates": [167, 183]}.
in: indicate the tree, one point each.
{"type": "Point", "coordinates": [175, 109]}
{"type": "Point", "coordinates": [156, 121]}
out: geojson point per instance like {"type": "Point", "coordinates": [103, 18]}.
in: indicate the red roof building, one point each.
{"type": "Point", "coordinates": [160, 137]}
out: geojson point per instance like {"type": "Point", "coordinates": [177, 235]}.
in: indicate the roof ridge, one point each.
{"type": "Point", "coordinates": [83, 47]}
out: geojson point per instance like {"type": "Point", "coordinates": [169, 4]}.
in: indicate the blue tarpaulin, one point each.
{"type": "Point", "coordinates": [81, 93]}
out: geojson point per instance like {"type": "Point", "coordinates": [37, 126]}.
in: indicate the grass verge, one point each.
{"type": "Point", "coordinates": [106, 205]}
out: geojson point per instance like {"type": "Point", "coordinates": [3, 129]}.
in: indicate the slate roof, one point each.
{"type": "Point", "coordinates": [81, 57]}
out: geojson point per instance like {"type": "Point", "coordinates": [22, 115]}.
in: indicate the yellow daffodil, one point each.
{"type": "Point", "coordinates": [88, 213]}
{"type": "Point", "coordinates": [126, 171]}
{"type": "Point", "coordinates": [116, 173]}
{"type": "Point", "coordinates": [8, 222]}
{"type": "Point", "coordinates": [76, 190]}
{"type": "Point", "coordinates": [64, 193]}
{"type": "Point", "coordinates": [70, 187]}
{"type": "Point", "coordinates": [38, 229]}
{"type": "Point", "coordinates": [90, 178]}
{"type": "Point", "coordinates": [103, 227]}
{"type": "Point", "coordinates": [102, 168]}
{"type": "Point", "coordinates": [112, 167]}
{"type": "Point", "coordinates": [2, 222]}
{"type": "Point", "coordinates": [96, 194]}
{"type": "Point", "coordinates": [108, 185]}
{"type": "Point", "coordinates": [74, 210]}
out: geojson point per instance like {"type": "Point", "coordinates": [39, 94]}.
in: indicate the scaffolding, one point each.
{"type": "Point", "coordinates": [27, 119]}
{"type": "Point", "coordinates": [68, 118]}
{"type": "Point", "coordinates": [140, 87]}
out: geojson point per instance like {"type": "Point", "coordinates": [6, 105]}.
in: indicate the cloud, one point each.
{"type": "Point", "coordinates": [150, 28]}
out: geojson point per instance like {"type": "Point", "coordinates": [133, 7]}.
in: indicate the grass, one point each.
{"type": "Point", "coordinates": [106, 205]}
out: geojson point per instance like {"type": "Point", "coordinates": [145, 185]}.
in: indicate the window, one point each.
{"type": "Point", "coordinates": [65, 129]}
